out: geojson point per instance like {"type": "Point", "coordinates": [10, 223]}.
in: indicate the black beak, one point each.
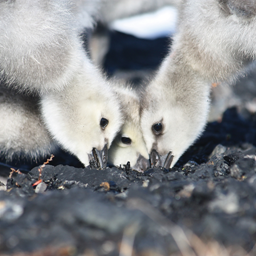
{"type": "Point", "coordinates": [98, 158]}
{"type": "Point", "coordinates": [157, 160]}
{"type": "Point", "coordinates": [142, 164]}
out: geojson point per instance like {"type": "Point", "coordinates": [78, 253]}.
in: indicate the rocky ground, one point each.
{"type": "Point", "coordinates": [205, 205]}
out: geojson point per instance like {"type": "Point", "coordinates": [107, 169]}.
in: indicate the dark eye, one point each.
{"type": "Point", "coordinates": [103, 123]}
{"type": "Point", "coordinates": [157, 128]}
{"type": "Point", "coordinates": [126, 140]}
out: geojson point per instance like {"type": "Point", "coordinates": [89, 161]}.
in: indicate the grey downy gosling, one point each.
{"type": "Point", "coordinates": [215, 42]}
{"type": "Point", "coordinates": [129, 145]}
{"type": "Point", "coordinates": [42, 54]}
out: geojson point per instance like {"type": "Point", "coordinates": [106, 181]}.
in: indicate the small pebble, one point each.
{"type": "Point", "coordinates": [41, 187]}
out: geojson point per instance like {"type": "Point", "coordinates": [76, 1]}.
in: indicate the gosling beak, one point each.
{"type": "Point", "coordinates": [98, 158]}
{"type": "Point", "coordinates": [142, 164]}
{"type": "Point", "coordinates": [157, 160]}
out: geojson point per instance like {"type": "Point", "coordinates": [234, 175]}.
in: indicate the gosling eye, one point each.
{"type": "Point", "coordinates": [126, 140]}
{"type": "Point", "coordinates": [157, 128]}
{"type": "Point", "coordinates": [103, 123]}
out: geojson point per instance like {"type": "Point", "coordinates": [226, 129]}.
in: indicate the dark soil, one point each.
{"type": "Point", "coordinates": [206, 203]}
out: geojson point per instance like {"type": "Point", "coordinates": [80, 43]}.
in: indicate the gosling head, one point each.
{"type": "Point", "coordinates": [84, 120]}
{"type": "Point", "coordinates": [171, 120]}
{"type": "Point", "coordinates": [129, 145]}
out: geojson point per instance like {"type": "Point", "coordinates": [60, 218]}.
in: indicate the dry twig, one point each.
{"type": "Point", "coordinates": [13, 171]}
{"type": "Point", "coordinates": [40, 169]}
